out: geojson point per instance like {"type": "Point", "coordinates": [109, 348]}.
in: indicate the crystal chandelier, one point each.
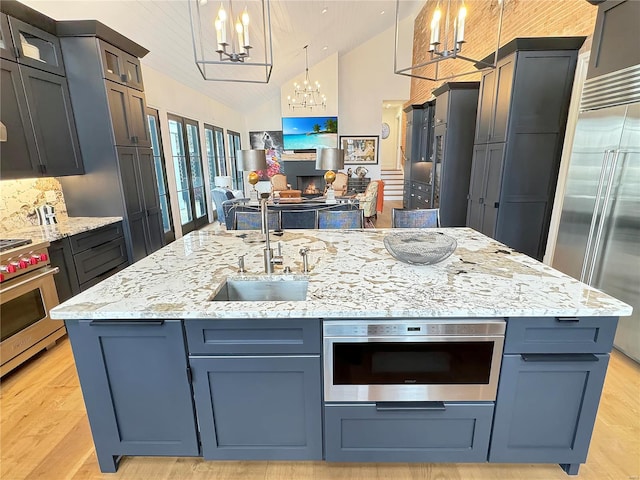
{"type": "Point", "coordinates": [222, 45]}
{"type": "Point", "coordinates": [307, 94]}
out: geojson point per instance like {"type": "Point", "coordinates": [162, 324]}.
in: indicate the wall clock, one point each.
{"type": "Point", "coordinates": [385, 130]}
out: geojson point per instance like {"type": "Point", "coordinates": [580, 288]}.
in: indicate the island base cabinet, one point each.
{"type": "Point", "coordinates": [135, 387]}
{"type": "Point", "coordinates": [546, 408]}
{"type": "Point", "coordinates": [259, 407]}
{"type": "Point", "coordinates": [442, 432]}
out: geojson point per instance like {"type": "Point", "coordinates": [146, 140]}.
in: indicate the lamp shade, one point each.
{"type": "Point", "coordinates": [330, 159]}
{"type": "Point", "coordinates": [252, 160]}
{"type": "Point", "coordinates": [223, 181]}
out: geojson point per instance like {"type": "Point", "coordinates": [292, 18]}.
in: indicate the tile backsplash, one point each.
{"type": "Point", "coordinates": [19, 198]}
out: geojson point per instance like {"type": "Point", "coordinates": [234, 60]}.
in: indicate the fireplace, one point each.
{"type": "Point", "coordinates": [311, 184]}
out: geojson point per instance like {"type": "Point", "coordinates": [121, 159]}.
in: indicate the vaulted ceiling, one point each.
{"type": "Point", "coordinates": [163, 27]}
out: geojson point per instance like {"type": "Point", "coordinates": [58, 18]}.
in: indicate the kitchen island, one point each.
{"type": "Point", "coordinates": [166, 371]}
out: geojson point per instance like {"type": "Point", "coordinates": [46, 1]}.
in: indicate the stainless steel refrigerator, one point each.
{"type": "Point", "coordinates": [599, 235]}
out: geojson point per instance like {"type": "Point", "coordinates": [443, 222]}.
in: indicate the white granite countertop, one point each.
{"type": "Point", "coordinates": [352, 275]}
{"type": "Point", "coordinates": [65, 227]}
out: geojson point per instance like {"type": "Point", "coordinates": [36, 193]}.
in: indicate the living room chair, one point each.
{"type": "Point", "coordinates": [279, 183]}
{"type": "Point", "coordinates": [221, 195]}
{"type": "Point", "coordinates": [246, 220]}
{"type": "Point", "coordinates": [340, 184]}
{"type": "Point", "coordinates": [420, 218]}
{"type": "Point", "coordinates": [340, 219]}
{"type": "Point", "coordinates": [369, 201]}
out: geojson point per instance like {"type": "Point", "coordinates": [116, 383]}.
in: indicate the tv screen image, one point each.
{"type": "Point", "coordinates": [309, 133]}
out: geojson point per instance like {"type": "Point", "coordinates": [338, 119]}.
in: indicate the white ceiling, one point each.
{"type": "Point", "coordinates": [163, 27]}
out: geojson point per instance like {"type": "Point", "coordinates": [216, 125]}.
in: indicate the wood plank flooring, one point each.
{"type": "Point", "coordinates": [44, 434]}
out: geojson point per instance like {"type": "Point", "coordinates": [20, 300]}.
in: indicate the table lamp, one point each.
{"type": "Point", "coordinates": [330, 159]}
{"type": "Point", "coordinates": [252, 161]}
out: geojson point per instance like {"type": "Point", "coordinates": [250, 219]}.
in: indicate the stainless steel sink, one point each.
{"type": "Point", "coordinates": [262, 290]}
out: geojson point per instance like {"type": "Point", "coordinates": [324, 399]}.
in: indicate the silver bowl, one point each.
{"type": "Point", "coordinates": [420, 248]}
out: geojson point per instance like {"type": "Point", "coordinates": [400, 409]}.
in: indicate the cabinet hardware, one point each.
{"type": "Point", "coordinates": [496, 204]}
{"type": "Point", "coordinates": [134, 139]}
{"type": "Point", "coordinates": [558, 357]}
{"type": "Point", "coordinates": [409, 406]}
{"type": "Point", "coordinates": [123, 77]}
{"type": "Point", "coordinates": [125, 323]}
{"type": "Point", "coordinates": [481, 200]}
{"type": "Point", "coordinates": [567, 319]}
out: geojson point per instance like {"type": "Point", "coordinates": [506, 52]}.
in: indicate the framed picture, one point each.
{"type": "Point", "coordinates": [360, 150]}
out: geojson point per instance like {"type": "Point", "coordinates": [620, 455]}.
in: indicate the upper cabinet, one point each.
{"type": "Point", "coordinates": [615, 39]}
{"type": "Point", "coordinates": [120, 66]}
{"type": "Point", "coordinates": [35, 104]}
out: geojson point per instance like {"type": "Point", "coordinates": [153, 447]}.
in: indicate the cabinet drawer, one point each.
{"type": "Point", "coordinates": [448, 432]}
{"type": "Point", "coordinates": [97, 279]}
{"type": "Point", "coordinates": [98, 260]}
{"type": "Point", "coordinates": [560, 334]}
{"type": "Point", "coordinates": [86, 240]}
{"type": "Point", "coordinates": [259, 336]}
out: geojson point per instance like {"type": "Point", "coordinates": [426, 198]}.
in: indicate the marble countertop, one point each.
{"type": "Point", "coordinates": [352, 276]}
{"type": "Point", "coordinates": [65, 227]}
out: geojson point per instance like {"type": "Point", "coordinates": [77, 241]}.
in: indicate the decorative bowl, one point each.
{"type": "Point", "coordinates": [420, 248]}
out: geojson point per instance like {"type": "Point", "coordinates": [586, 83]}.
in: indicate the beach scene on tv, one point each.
{"type": "Point", "coordinates": [309, 133]}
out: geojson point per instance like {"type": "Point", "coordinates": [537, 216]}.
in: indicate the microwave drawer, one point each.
{"type": "Point", "coordinates": [255, 336]}
{"type": "Point", "coordinates": [440, 432]}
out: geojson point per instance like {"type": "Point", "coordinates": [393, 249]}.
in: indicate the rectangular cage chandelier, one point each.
{"type": "Point", "coordinates": [232, 42]}
{"type": "Point", "coordinates": [445, 55]}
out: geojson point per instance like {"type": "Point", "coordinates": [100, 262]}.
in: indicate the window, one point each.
{"type": "Point", "coordinates": [234, 146]}
{"type": "Point", "coordinates": [185, 148]}
{"type": "Point", "coordinates": [158, 159]}
{"type": "Point", "coordinates": [214, 145]}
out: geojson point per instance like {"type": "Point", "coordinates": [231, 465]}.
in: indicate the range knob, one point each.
{"type": "Point", "coordinates": [23, 263]}
{"type": "Point", "coordinates": [1, 278]}
{"type": "Point", "coordinates": [44, 257]}
{"type": "Point", "coordinates": [11, 268]}
{"type": "Point", "coordinates": [34, 259]}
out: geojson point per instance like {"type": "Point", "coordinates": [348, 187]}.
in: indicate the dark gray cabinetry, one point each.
{"type": "Point", "coordinates": [552, 376]}
{"type": "Point", "coordinates": [257, 388]}
{"type": "Point", "coordinates": [87, 258]}
{"type": "Point", "coordinates": [140, 192]}
{"type": "Point", "coordinates": [615, 37]}
{"type": "Point", "coordinates": [521, 119]}
{"type": "Point", "coordinates": [418, 166]}
{"type": "Point", "coordinates": [120, 175]}
{"type": "Point", "coordinates": [35, 105]}
{"type": "Point", "coordinates": [455, 120]}
{"type": "Point", "coordinates": [357, 184]}
{"type": "Point", "coordinates": [120, 66]}
{"type": "Point", "coordinates": [135, 387]}
{"type": "Point", "coordinates": [442, 432]}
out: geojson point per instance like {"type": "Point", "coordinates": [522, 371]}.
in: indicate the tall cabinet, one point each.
{"type": "Point", "coordinates": [453, 133]}
{"type": "Point", "coordinates": [105, 81]}
{"type": "Point", "coordinates": [418, 171]}
{"type": "Point", "coordinates": [520, 125]}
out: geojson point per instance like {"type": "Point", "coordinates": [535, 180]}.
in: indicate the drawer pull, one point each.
{"type": "Point", "coordinates": [567, 319]}
{"type": "Point", "coordinates": [409, 406]}
{"type": "Point", "coordinates": [123, 323]}
{"type": "Point", "coordinates": [559, 357]}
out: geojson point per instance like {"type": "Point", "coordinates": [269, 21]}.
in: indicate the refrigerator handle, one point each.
{"type": "Point", "coordinates": [586, 262]}
{"type": "Point", "coordinates": [605, 208]}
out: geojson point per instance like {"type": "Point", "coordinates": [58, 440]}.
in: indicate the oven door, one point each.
{"type": "Point", "coordinates": [412, 368]}
{"type": "Point", "coordinates": [24, 312]}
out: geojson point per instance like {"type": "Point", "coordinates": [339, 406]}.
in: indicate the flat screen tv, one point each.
{"type": "Point", "coordinates": [309, 133]}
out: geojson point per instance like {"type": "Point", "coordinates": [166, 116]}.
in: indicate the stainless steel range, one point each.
{"type": "Point", "coordinates": [27, 293]}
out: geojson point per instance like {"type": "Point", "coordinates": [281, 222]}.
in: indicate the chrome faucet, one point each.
{"type": "Point", "coordinates": [305, 259]}
{"type": "Point", "coordinates": [269, 259]}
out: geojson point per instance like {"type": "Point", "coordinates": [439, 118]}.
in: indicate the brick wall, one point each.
{"type": "Point", "coordinates": [522, 18]}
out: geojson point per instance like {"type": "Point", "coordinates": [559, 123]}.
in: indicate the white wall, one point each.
{"type": "Point", "coordinates": [168, 96]}
{"type": "Point", "coordinates": [389, 146]}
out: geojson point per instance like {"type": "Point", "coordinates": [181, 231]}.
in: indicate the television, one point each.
{"type": "Point", "coordinates": [309, 133]}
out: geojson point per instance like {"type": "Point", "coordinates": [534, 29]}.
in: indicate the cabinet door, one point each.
{"type": "Point", "coordinates": [19, 153]}
{"type": "Point", "coordinates": [7, 50]}
{"type": "Point", "coordinates": [36, 48]}
{"type": "Point", "coordinates": [492, 189]}
{"type": "Point", "coordinates": [485, 107]}
{"type": "Point", "coordinates": [49, 104]}
{"type": "Point", "coordinates": [475, 206]}
{"type": "Point", "coordinates": [134, 201]}
{"type": "Point", "coordinates": [66, 279]}
{"type": "Point", "coordinates": [155, 234]}
{"type": "Point", "coordinates": [502, 103]}
{"type": "Point", "coordinates": [139, 129]}
{"type": "Point", "coordinates": [546, 407]}
{"type": "Point", "coordinates": [258, 408]}
{"type": "Point", "coordinates": [134, 379]}
{"type": "Point", "coordinates": [616, 29]}
{"type": "Point", "coordinates": [119, 66]}
{"type": "Point", "coordinates": [118, 97]}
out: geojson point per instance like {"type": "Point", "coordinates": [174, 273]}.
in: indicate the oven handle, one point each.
{"type": "Point", "coordinates": [411, 406]}
{"type": "Point", "coordinates": [415, 338]}
{"type": "Point", "coordinates": [46, 272]}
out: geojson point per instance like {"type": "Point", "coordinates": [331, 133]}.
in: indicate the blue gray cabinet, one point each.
{"type": "Point", "coordinates": [135, 387]}
{"type": "Point", "coordinates": [523, 107]}
{"type": "Point", "coordinates": [259, 407]}
{"type": "Point", "coordinates": [404, 432]}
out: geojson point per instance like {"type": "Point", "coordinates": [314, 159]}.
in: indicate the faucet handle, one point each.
{"type": "Point", "coordinates": [304, 251]}
{"type": "Point", "coordinates": [241, 264]}
{"type": "Point", "coordinates": [279, 249]}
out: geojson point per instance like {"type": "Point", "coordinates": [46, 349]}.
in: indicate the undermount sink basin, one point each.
{"type": "Point", "coordinates": [262, 290]}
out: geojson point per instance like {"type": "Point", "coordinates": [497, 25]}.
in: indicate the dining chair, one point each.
{"type": "Point", "coordinates": [247, 220]}
{"type": "Point", "coordinates": [298, 219]}
{"type": "Point", "coordinates": [420, 218]}
{"type": "Point", "coordinates": [340, 219]}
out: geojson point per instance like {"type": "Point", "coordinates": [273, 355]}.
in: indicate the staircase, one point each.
{"type": "Point", "coordinates": [393, 184]}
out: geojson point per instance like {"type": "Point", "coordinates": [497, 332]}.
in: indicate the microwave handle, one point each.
{"type": "Point", "coordinates": [409, 406]}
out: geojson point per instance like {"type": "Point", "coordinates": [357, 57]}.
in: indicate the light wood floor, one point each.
{"type": "Point", "coordinates": [44, 434]}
